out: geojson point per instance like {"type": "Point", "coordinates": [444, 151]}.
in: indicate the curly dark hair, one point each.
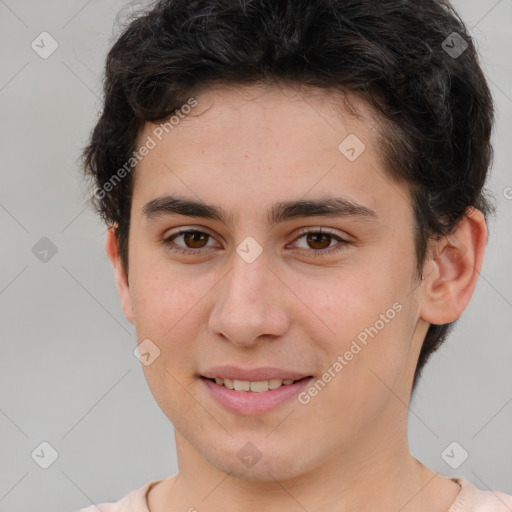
{"type": "Point", "coordinates": [414, 62]}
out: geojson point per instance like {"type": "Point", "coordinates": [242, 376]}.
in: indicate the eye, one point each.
{"type": "Point", "coordinates": [320, 240]}
{"type": "Point", "coordinates": [193, 239]}
{"type": "Point", "coordinates": [317, 241]}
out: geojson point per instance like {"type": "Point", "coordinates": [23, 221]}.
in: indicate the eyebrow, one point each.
{"type": "Point", "coordinates": [279, 212]}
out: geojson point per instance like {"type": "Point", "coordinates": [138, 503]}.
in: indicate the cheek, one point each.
{"type": "Point", "coordinates": [343, 304]}
{"type": "Point", "coordinates": [163, 296]}
{"type": "Point", "coordinates": [167, 307]}
{"type": "Point", "coordinates": [365, 359]}
{"type": "Point", "coordinates": [167, 310]}
{"type": "Point", "coordinates": [363, 314]}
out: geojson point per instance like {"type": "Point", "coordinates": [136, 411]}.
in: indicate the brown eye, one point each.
{"type": "Point", "coordinates": [319, 241]}
{"type": "Point", "coordinates": [195, 239]}
{"type": "Point", "coordinates": [189, 241]}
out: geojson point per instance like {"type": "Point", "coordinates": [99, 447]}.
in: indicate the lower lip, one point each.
{"type": "Point", "coordinates": [250, 403]}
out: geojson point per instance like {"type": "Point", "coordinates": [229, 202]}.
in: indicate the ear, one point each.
{"type": "Point", "coordinates": [453, 268]}
{"type": "Point", "coordinates": [123, 286]}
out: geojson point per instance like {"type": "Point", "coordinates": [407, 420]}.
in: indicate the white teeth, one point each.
{"type": "Point", "coordinates": [275, 383]}
{"type": "Point", "coordinates": [260, 386]}
{"type": "Point", "coordinates": [241, 385]}
{"type": "Point", "coordinates": [256, 387]}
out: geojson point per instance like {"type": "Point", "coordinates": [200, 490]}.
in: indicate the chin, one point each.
{"type": "Point", "coordinates": [262, 471]}
{"type": "Point", "coordinates": [244, 461]}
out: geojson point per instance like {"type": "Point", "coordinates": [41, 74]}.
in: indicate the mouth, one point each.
{"type": "Point", "coordinates": [260, 386]}
{"type": "Point", "coordinates": [254, 392]}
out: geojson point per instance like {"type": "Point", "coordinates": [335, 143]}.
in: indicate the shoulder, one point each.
{"type": "Point", "coordinates": [134, 501]}
{"type": "Point", "coordinates": [472, 499]}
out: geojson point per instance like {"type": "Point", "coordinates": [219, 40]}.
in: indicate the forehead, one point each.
{"type": "Point", "coordinates": [285, 114]}
{"type": "Point", "coordinates": [264, 143]}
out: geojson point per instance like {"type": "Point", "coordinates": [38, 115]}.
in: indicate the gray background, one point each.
{"type": "Point", "coordinates": [67, 370]}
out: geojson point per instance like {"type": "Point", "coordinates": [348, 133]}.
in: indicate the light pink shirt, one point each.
{"type": "Point", "coordinates": [469, 499]}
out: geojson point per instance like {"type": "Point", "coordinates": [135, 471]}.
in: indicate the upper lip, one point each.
{"type": "Point", "coordinates": [252, 374]}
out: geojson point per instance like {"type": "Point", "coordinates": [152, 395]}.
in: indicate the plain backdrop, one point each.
{"type": "Point", "coordinates": [68, 376]}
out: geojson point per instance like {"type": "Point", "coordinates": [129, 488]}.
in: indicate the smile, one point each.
{"type": "Point", "coordinates": [252, 386]}
{"type": "Point", "coordinates": [253, 397]}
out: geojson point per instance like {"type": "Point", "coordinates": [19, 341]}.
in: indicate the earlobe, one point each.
{"type": "Point", "coordinates": [456, 260]}
{"type": "Point", "coordinates": [123, 286]}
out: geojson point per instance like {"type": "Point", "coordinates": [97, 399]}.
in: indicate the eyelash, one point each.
{"type": "Point", "coordinates": [168, 241]}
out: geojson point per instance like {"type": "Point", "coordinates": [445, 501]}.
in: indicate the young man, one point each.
{"type": "Point", "coordinates": [294, 194]}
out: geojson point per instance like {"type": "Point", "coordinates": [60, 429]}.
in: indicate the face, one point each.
{"type": "Point", "coordinates": [296, 262]}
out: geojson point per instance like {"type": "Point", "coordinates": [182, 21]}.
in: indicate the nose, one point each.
{"type": "Point", "coordinates": [250, 305]}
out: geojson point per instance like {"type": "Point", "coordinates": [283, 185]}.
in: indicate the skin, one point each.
{"type": "Point", "coordinates": [347, 449]}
